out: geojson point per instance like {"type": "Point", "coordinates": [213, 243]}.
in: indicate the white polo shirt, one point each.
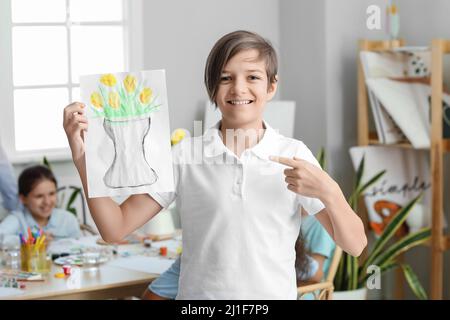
{"type": "Point", "coordinates": [239, 220]}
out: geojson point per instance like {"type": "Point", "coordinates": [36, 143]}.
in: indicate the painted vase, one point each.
{"type": "Point", "coordinates": [130, 167]}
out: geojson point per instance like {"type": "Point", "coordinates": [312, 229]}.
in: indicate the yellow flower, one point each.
{"type": "Point", "coordinates": [145, 95]}
{"type": "Point", "coordinates": [177, 136]}
{"type": "Point", "coordinates": [108, 80]}
{"type": "Point", "coordinates": [114, 100]}
{"type": "Point", "coordinates": [393, 9]}
{"type": "Point", "coordinates": [129, 83]}
{"type": "Point", "coordinates": [96, 100]}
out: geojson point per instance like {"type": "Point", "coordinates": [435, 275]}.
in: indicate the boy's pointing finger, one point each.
{"type": "Point", "coordinates": [286, 161]}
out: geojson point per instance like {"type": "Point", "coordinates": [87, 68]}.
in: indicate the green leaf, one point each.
{"type": "Point", "coordinates": [351, 272]}
{"type": "Point", "coordinates": [46, 163]}
{"type": "Point", "coordinates": [73, 196]}
{"type": "Point", "coordinates": [73, 211]}
{"type": "Point", "coordinates": [321, 158]}
{"type": "Point", "coordinates": [404, 244]}
{"type": "Point", "coordinates": [359, 172]}
{"type": "Point", "coordinates": [353, 201]}
{"type": "Point", "coordinates": [414, 282]}
{"type": "Point", "coordinates": [354, 275]}
{"type": "Point", "coordinates": [390, 230]}
{"type": "Point", "coordinates": [371, 182]}
{"type": "Point", "coordinates": [387, 258]}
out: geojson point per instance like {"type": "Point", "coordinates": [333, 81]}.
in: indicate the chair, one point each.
{"type": "Point", "coordinates": [323, 290]}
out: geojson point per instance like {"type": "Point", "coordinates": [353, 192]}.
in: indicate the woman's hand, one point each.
{"type": "Point", "coordinates": [308, 180]}
{"type": "Point", "coordinates": [75, 123]}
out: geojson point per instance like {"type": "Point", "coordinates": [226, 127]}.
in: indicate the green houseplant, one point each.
{"type": "Point", "coordinates": [353, 272]}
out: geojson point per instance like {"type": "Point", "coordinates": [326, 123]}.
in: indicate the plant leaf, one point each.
{"type": "Point", "coordinates": [391, 228]}
{"type": "Point", "coordinates": [388, 257]}
{"type": "Point", "coordinates": [72, 198]}
{"type": "Point", "coordinates": [321, 158]}
{"type": "Point", "coordinates": [404, 244]}
{"type": "Point", "coordinates": [359, 172]}
{"type": "Point", "coordinates": [46, 163]}
{"type": "Point", "coordinates": [371, 181]}
{"type": "Point", "coordinates": [353, 201]}
{"type": "Point", "coordinates": [414, 282]}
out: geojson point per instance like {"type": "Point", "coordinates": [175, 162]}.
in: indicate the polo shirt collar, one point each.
{"type": "Point", "coordinates": [213, 144]}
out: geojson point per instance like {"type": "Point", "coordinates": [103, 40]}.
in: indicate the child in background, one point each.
{"type": "Point", "coordinates": [240, 207]}
{"type": "Point", "coordinates": [37, 193]}
{"type": "Point", "coordinates": [315, 243]}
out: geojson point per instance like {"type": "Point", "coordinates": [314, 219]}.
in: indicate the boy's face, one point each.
{"type": "Point", "coordinates": [243, 90]}
{"type": "Point", "coordinates": [41, 200]}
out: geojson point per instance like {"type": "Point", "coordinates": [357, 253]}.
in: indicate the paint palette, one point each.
{"type": "Point", "coordinates": [81, 260]}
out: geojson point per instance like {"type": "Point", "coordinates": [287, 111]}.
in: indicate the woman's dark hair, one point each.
{"type": "Point", "coordinates": [31, 176]}
{"type": "Point", "coordinates": [230, 45]}
{"type": "Point", "coordinates": [301, 261]}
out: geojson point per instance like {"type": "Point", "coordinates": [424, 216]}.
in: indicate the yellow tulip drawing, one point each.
{"type": "Point", "coordinates": [129, 83]}
{"type": "Point", "coordinates": [96, 100]}
{"type": "Point", "coordinates": [108, 80]}
{"type": "Point", "coordinates": [145, 95]}
{"type": "Point", "coordinates": [114, 100]}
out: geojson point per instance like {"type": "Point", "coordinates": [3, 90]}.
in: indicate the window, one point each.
{"type": "Point", "coordinates": [52, 43]}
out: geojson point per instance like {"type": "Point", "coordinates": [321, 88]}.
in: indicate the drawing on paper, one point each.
{"type": "Point", "coordinates": [126, 107]}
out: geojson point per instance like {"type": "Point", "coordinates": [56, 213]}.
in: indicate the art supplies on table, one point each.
{"type": "Point", "coordinates": [33, 252]}
{"type": "Point", "coordinates": [21, 275]}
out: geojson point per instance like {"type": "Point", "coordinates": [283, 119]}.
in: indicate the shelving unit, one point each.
{"type": "Point", "coordinates": [439, 241]}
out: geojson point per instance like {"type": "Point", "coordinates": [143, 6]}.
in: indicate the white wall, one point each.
{"type": "Point", "coordinates": [178, 36]}
{"type": "Point", "coordinates": [302, 72]}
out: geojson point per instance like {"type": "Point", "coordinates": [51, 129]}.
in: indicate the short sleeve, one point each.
{"type": "Point", "coordinates": [311, 205]}
{"type": "Point", "coordinates": [165, 199]}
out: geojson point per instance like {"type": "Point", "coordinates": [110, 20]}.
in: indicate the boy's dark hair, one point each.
{"type": "Point", "coordinates": [230, 45]}
{"type": "Point", "coordinates": [31, 176]}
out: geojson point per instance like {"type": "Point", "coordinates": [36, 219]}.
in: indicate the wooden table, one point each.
{"type": "Point", "coordinates": [105, 282]}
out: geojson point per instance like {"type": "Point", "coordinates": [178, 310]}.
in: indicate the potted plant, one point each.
{"type": "Point", "coordinates": [353, 272]}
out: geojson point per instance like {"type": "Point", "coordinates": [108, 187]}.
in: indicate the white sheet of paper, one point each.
{"type": "Point", "coordinates": [407, 104]}
{"type": "Point", "coordinates": [143, 264]}
{"type": "Point", "coordinates": [128, 141]}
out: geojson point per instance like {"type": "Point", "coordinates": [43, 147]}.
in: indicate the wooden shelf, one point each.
{"type": "Point", "coordinates": [407, 145]}
{"type": "Point", "coordinates": [439, 242]}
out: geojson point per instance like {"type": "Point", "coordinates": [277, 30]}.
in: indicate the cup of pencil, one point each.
{"type": "Point", "coordinates": [33, 253]}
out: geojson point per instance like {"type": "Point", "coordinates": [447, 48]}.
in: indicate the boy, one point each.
{"type": "Point", "coordinates": [240, 221]}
